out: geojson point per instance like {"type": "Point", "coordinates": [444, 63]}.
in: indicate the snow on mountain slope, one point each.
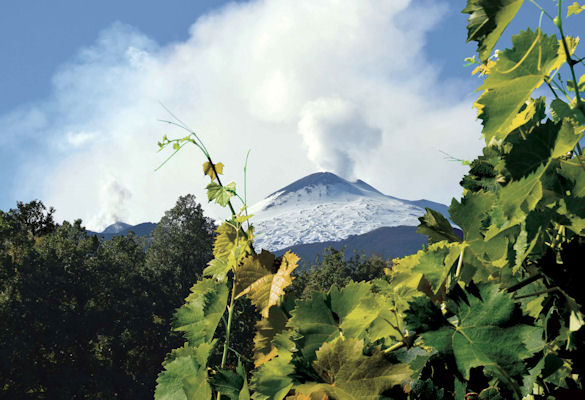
{"type": "Point", "coordinates": [324, 207]}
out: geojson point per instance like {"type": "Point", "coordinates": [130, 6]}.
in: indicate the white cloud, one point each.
{"type": "Point", "coordinates": [311, 84]}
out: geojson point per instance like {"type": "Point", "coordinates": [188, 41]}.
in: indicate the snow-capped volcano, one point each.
{"type": "Point", "coordinates": [325, 207]}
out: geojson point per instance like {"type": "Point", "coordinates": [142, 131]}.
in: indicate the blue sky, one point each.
{"type": "Point", "coordinates": [81, 84]}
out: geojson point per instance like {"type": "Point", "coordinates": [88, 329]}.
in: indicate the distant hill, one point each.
{"type": "Point", "coordinates": [386, 242]}
{"type": "Point", "coordinates": [121, 229]}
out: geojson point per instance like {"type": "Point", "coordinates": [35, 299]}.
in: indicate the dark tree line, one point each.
{"type": "Point", "coordinates": [86, 318]}
{"type": "Point", "coordinates": [83, 318]}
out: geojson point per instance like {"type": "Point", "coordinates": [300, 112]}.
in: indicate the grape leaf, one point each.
{"type": "Point", "coordinates": [230, 247]}
{"type": "Point", "coordinates": [272, 379]}
{"type": "Point", "coordinates": [542, 143]}
{"type": "Point", "coordinates": [244, 393]}
{"type": "Point", "coordinates": [228, 383]}
{"type": "Point", "coordinates": [487, 335]}
{"type": "Point", "coordinates": [351, 311]}
{"type": "Point", "coordinates": [202, 311]}
{"type": "Point", "coordinates": [209, 169]}
{"type": "Point", "coordinates": [257, 279]}
{"type": "Point", "coordinates": [516, 200]}
{"type": "Point", "coordinates": [266, 329]}
{"type": "Point", "coordinates": [231, 384]}
{"type": "Point", "coordinates": [185, 375]}
{"type": "Point", "coordinates": [348, 374]}
{"type": "Point", "coordinates": [428, 269]}
{"type": "Point", "coordinates": [436, 227]}
{"type": "Point", "coordinates": [515, 75]}
{"type": "Point", "coordinates": [217, 268]}
{"type": "Point", "coordinates": [221, 194]}
{"type": "Point", "coordinates": [490, 393]}
{"type": "Point", "coordinates": [575, 9]}
{"type": "Point", "coordinates": [487, 21]}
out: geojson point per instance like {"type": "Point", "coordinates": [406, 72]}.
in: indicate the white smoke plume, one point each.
{"type": "Point", "coordinates": [342, 85]}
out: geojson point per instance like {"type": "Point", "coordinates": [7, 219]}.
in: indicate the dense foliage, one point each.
{"type": "Point", "coordinates": [83, 318]}
{"type": "Point", "coordinates": [332, 268]}
{"type": "Point", "coordinates": [496, 314]}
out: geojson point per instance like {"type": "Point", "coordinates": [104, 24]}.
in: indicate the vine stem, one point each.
{"type": "Point", "coordinates": [226, 345]}
{"type": "Point", "coordinates": [523, 283]}
{"type": "Point", "coordinates": [553, 289]}
{"type": "Point", "coordinates": [220, 184]}
{"type": "Point", "coordinates": [570, 60]}
{"type": "Point", "coordinates": [396, 346]}
{"type": "Point", "coordinates": [542, 10]}
{"type": "Point", "coordinates": [458, 271]}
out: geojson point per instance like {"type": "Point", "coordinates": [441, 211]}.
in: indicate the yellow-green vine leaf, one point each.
{"type": "Point", "coordinates": [434, 225]}
{"type": "Point", "coordinates": [573, 206]}
{"type": "Point", "coordinates": [515, 75]}
{"type": "Point", "coordinates": [487, 21]}
{"type": "Point", "coordinates": [221, 194]}
{"type": "Point", "coordinates": [217, 268]}
{"type": "Point", "coordinates": [258, 279]}
{"type": "Point", "coordinates": [347, 374]}
{"type": "Point", "coordinates": [228, 237]}
{"type": "Point", "coordinates": [428, 269]}
{"type": "Point", "coordinates": [515, 201]}
{"type": "Point", "coordinates": [266, 330]}
{"type": "Point", "coordinates": [185, 375]}
{"type": "Point", "coordinates": [208, 169]}
{"type": "Point", "coordinates": [574, 9]}
{"type": "Point", "coordinates": [230, 247]}
{"type": "Point", "coordinates": [202, 311]}
{"type": "Point", "coordinates": [561, 110]}
{"type": "Point", "coordinates": [272, 380]}
{"type": "Point", "coordinates": [351, 312]}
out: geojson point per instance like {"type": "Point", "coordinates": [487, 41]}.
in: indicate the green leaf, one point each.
{"type": "Point", "coordinates": [561, 110]}
{"type": "Point", "coordinates": [202, 311]}
{"type": "Point", "coordinates": [231, 384]}
{"type": "Point", "coordinates": [575, 9]}
{"type": "Point", "coordinates": [428, 269]}
{"type": "Point", "coordinates": [423, 316]}
{"type": "Point", "coordinates": [185, 375]}
{"type": "Point", "coordinates": [436, 227]}
{"type": "Point", "coordinates": [272, 381]}
{"type": "Point", "coordinates": [542, 143]}
{"type": "Point", "coordinates": [217, 268]}
{"type": "Point", "coordinates": [516, 200]}
{"type": "Point", "coordinates": [230, 247]}
{"type": "Point", "coordinates": [486, 335]}
{"type": "Point", "coordinates": [221, 194]}
{"type": "Point", "coordinates": [228, 383]}
{"type": "Point", "coordinates": [257, 279]}
{"type": "Point", "coordinates": [352, 312]}
{"type": "Point", "coordinates": [513, 78]}
{"type": "Point", "coordinates": [346, 373]}
{"type": "Point", "coordinates": [244, 393]}
{"type": "Point", "coordinates": [487, 21]}
{"type": "Point", "coordinates": [491, 393]}
{"type": "Point", "coordinates": [470, 213]}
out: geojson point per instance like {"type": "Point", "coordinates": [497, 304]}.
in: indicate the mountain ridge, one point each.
{"type": "Point", "coordinates": [323, 207]}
